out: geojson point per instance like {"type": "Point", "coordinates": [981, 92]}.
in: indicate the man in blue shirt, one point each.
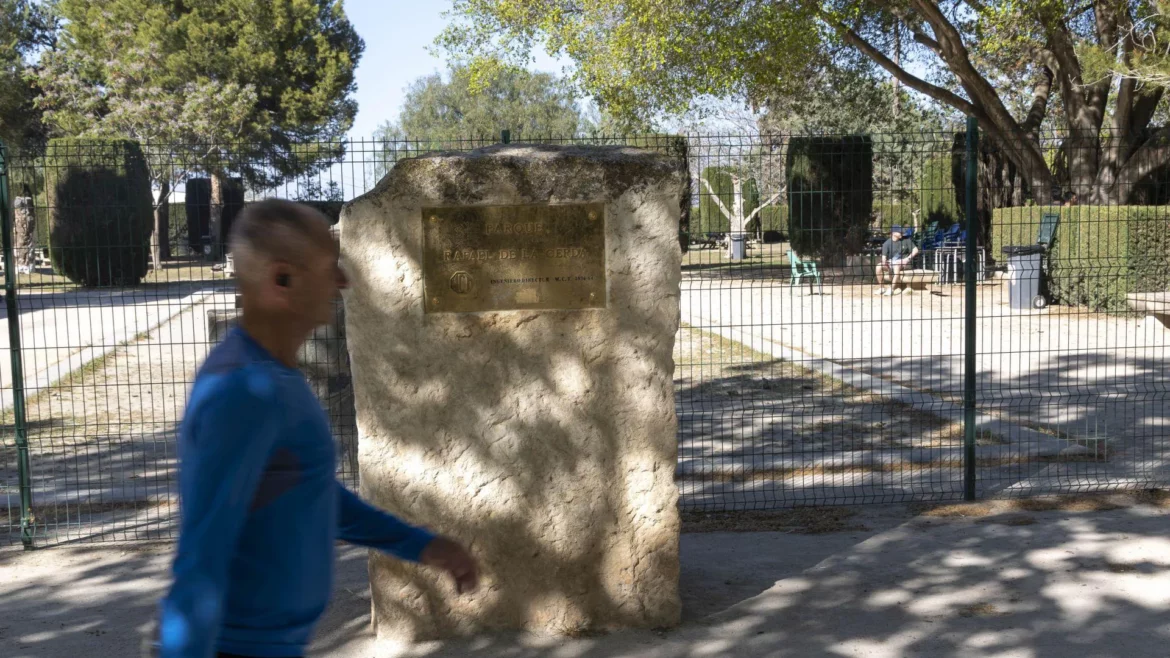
{"type": "Point", "coordinates": [261, 509]}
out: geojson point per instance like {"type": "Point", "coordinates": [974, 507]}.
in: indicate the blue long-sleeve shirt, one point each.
{"type": "Point", "coordinates": [260, 512]}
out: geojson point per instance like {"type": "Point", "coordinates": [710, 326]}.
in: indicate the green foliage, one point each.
{"type": "Point", "coordinates": [197, 201]}
{"type": "Point", "coordinates": [639, 56]}
{"type": "Point", "coordinates": [25, 27]}
{"type": "Point", "coordinates": [527, 104]}
{"type": "Point", "coordinates": [649, 58]}
{"type": "Point", "coordinates": [720, 180]}
{"type": "Point", "coordinates": [100, 210]}
{"type": "Point", "coordinates": [276, 77]}
{"type": "Point", "coordinates": [936, 190]}
{"type": "Point", "coordinates": [830, 195]}
{"type": "Point", "coordinates": [1099, 254]}
{"type": "Point", "coordinates": [773, 218]}
{"type": "Point", "coordinates": [177, 229]}
{"type": "Point", "coordinates": [888, 214]}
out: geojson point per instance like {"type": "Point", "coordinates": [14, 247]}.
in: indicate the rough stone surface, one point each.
{"type": "Point", "coordinates": [544, 440]}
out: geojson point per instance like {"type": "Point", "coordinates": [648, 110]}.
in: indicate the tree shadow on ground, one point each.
{"type": "Point", "coordinates": [1116, 406]}
{"type": "Point", "coordinates": [1045, 584]}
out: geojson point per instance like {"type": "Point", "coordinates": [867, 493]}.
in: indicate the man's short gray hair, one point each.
{"type": "Point", "coordinates": [274, 229]}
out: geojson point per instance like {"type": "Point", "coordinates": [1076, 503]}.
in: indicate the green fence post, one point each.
{"type": "Point", "coordinates": [970, 271]}
{"type": "Point", "coordinates": [27, 521]}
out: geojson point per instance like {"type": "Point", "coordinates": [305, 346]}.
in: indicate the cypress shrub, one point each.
{"type": "Point", "coordinates": [830, 195]}
{"type": "Point", "coordinates": [177, 229]}
{"type": "Point", "coordinates": [100, 210]}
{"type": "Point", "coordinates": [888, 214]}
{"type": "Point", "coordinates": [936, 189]}
{"type": "Point", "coordinates": [774, 218]}
{"type": "Point", "coordinates": [198, 211]}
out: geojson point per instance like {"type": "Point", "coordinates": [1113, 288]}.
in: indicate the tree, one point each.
{"type": "Point", "coordinates": [998, 61]}
{"type": "Point", "coordinates": [179, 127]}
{"type": "Point", "coordinates": [25, 28]}
{"type": "Point", "coordinates": [735, 195]}
{"type": "Point", "coordinates": [274, 81]}
{"type": "Point", "coordinates": [439, 111]}
{"type": "Point", "coordinates": [452, 108]}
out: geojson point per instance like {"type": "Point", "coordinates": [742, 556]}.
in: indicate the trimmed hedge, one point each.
{"type": "Point", "coordinates": [719, 178]}
{"type": "Point", "coordinates": [198, 211]}
{"type": "Point", "coordinates": [100, 210]}
{"type": "Point", "coordinates": [1099, 254]}
{"type": "Point", "coordinates": [937, 193]}
{"type": "Point", "coordinates": [771, 218]}
{"type": "Point", "coordinates": [177, 229]}
{"type": "Point", "coordinates": [830, 195]}
{"type": "Point", "coordinates": [888, 214]}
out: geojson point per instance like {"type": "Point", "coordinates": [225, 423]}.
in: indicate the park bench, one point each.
{"type": "Point", "coordinates": [918, 280]}
{"type": "Point", "coordinates": [1156, 305]}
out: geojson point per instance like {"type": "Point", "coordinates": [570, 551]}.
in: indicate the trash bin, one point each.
{"type": "Point", "coordinates": [1025, 276]}
{"type": "Point", "coordinates": [738, 245]}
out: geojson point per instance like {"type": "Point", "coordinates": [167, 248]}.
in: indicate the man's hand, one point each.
{"type": "Point", "coordinates": [442, 553]}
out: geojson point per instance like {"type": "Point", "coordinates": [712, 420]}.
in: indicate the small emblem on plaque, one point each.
{"type": "Point", "coordinates": [461, 283]}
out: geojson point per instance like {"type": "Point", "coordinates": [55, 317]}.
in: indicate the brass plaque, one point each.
{"type": "Point", "coordinates": [499, 258]}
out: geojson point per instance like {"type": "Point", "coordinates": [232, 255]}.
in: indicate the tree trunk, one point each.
{"type": "Point", "coordinates": [736, 219]}
{"type": "Point", "coordinates": [999, 182]}
{"type": "Point", "coordinates": [159, 234]}
{"type": "Point", "coordinates": [216, 221]}
{"type": "Point", "coordinates": [165, 230]}
{"type": "Point", "coordinates": [25, 233]}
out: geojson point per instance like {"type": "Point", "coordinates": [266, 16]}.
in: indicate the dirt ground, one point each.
{"type": "Point", "coordinates": [1041, 578]}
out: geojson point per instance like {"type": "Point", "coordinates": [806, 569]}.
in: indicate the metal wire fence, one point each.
{"type": "Point", "coordinates": [820, 361]}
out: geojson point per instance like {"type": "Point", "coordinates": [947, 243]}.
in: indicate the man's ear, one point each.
{"type": "Point", "coordinates": [281, 275]}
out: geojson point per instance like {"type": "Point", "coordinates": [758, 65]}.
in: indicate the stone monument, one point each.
{"type": "Point", "coordinates": [510, 321]}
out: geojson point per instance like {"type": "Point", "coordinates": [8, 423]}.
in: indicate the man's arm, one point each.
{"type": "Point", "coordinates": [223, 460]}
{"type": "Point", "coordinates": [363, 524]}
{"type": "Point", "coordinates": [360, 523]}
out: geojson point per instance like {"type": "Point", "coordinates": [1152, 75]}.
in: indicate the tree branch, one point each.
{"type": "Point", "coordinates": [763, 205]}
{"type": "Point", "coordinates": [954, 53]}
{"type": "Point", "coordinates": [1039, 107]}
{"type": "Point", "coordinates": [1145, 103]}
{"type": "Point", "coordinates": [1148, 157]}
{"type": "Point", "coordinates": [722, 208]}
{"type": "Point", "coordinates": [1107, 23]}
{"type": "Point", "coordinates": [911, 81]}
{"type": "Point", "coordinates": [925, 40]}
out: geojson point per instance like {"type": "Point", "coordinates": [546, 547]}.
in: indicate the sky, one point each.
{"type": "Point", "coordinates": [398, 34]}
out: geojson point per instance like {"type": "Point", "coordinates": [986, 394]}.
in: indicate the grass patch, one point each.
{"type": "Point", "coordinates": [801, 520]}
{"type": "Point", "coordinates": [1070, 503]}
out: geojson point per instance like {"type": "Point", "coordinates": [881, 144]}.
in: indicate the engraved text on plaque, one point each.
{"type": "Point", "coordinates": [497, 258]}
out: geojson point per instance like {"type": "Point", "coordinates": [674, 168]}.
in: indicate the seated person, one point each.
{"type": "Point", "coordinates": [897, 253]}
